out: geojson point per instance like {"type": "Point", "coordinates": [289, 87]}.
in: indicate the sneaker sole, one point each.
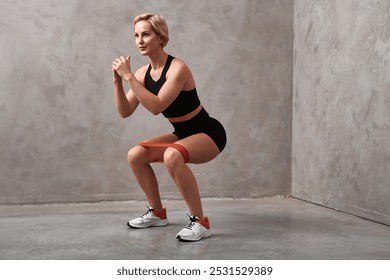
{"type": "Point", "coordinates": [159, 224]}
{"type": "Point", "coordinates": [206, 234]}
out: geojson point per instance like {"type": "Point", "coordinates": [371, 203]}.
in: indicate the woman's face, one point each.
{"type": "Point", "coordinates": [146, 39]}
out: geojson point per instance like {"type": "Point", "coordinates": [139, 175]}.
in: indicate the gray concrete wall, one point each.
{"type": "Point", "coordinates": [341, 108]}
{"type": "Point", "coordinates": [61, 139]}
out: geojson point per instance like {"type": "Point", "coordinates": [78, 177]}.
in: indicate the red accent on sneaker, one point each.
{"type": "Point", "coordinates": [161, 214]}
{"type": "Point", "coordinates": [204, 222]}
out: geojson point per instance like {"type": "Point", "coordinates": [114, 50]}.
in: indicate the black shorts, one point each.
{"type": "Point", "coordinates": [202, 123]}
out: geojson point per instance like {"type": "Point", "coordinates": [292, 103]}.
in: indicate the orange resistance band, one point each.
{"type": "Point", "coordinates": [178, 147]}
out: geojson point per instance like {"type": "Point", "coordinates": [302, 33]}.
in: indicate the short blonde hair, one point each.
{"type": "Point", "coordinates": [158, 24]}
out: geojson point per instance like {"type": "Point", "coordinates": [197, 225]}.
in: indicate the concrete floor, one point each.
{"type": "Point", "coordinates": [243, 229]}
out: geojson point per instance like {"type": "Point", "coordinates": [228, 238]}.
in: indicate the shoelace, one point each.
{"type": "Point", "coordinates": [193, 220]}
{"type": "Point", "coordinates": [150, 210]}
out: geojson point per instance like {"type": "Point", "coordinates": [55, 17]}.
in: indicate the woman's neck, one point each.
{"type": "Point", "coordinates": [158, 59]}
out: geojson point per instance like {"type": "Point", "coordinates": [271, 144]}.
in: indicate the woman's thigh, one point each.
{"type": "Point", "coordinates": [200, 147]}
{"type": "Point", "coordinates": [156, 154]}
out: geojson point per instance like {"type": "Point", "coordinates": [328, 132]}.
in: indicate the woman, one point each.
{"type": "Point", "coordinates": [166, 86]}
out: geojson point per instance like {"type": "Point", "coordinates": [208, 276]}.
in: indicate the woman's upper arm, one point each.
{"type": "Point", "coordinates": [177, 77]}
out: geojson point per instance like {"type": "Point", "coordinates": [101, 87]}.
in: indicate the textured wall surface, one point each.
{"type": "Point", "coordinates": [341, 108]}
{"type": "Point", "coordinates": [61, 138]}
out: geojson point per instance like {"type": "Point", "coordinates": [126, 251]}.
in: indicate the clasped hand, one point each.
{"type": "Point", "coordinates": [121, 68]}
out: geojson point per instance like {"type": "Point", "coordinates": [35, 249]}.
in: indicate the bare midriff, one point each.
{"type": "Point", "coordinates": [187, 116]}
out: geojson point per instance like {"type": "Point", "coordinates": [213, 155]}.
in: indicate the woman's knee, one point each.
{"type": "Point", "coordinates": [136, 155]}
{"type": "Point", "coordinates": [172, 158]}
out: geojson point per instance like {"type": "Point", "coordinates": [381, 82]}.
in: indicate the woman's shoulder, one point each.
{"type": "Point", "coordinates": [141, 72]}
{"type": "Point", "coordinates": [180, 70]}
{"type": "Point", "coordinates": [178, 65]}
{"type": "Point", "coordinates": [177, 62]}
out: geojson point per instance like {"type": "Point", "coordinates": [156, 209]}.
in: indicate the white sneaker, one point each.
{"type": "Point", "coordinates": [195, 230]}
{"type": "Point", "coordinates": [151, 218]}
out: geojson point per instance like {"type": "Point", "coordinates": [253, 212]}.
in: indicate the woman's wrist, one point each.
{"type": "Point", "coordinates": [128, 77]}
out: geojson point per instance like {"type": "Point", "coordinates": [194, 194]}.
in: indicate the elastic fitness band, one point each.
{"type": "Point", "coordinates": [178, 147]}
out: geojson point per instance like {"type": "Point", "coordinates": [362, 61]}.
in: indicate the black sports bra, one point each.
{"type": "Point", "coordinates": [186, 101]}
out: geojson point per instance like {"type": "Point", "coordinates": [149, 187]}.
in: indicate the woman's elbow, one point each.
{"type": "Point", "coordinates": [125, 114]}
{"type": "Point", "coordinates": [155, 110]}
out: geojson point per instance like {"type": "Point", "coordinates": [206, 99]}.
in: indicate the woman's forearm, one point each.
{"type": "Point", "coordinates": [122, 103]}
{"type": "Point", "coordinates": [150, 101]}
